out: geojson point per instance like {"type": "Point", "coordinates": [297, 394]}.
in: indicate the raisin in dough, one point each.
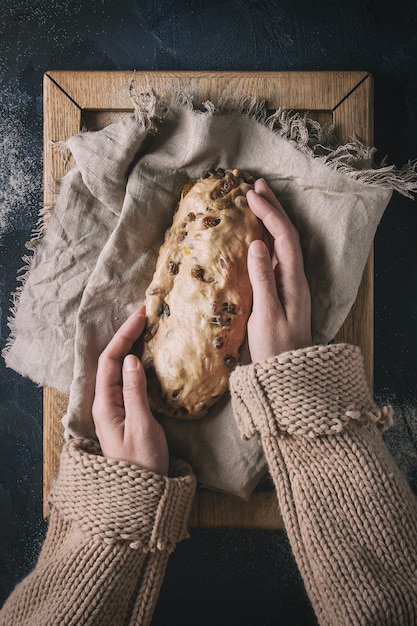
{"type": "Point", "coordinates": [200, 297]}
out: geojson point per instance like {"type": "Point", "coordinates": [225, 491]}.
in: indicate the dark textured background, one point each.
{"type": "Point", "coordinates": [226, 577]}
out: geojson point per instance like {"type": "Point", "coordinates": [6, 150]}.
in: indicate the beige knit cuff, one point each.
{"type": "Point", "coordinates": [121, 502]}
{"type": "Point", "coordinates": [310, 392]}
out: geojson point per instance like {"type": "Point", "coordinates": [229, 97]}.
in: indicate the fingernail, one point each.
{"type": "Point", "coordinates": [130, 363]}
{"type": "Point", "coordinates": [258, 248]}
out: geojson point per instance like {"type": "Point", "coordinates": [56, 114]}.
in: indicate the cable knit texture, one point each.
{"type": "Point", "coordinates": [311, 392]}
{"type": "Point", "coordinates": [105, 502]}
{"type": "Point", "coordinates": [111, 530]}
{"type": "Point", "coordinates": [349, 513]}
{"type": "Point", "coordinates": [350, 516]}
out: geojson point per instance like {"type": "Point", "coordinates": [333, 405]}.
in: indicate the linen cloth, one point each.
{"type": "Point", "coordinates": [97, 256]}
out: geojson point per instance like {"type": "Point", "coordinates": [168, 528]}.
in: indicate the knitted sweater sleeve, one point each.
{"type": "Point", "coordinates": [111, 530]}
{"type": "Point", "coordinates": [349, 513]}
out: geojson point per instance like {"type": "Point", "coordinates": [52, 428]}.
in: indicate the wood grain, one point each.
{"type": "Point", "coordinates": [54, 407]}
{"type": "Point", "coordinates": [211, 509]}
{"type": "Point", "coordinates": [304, 90]}
{"type": "Point", "coordinates": [90, 100]}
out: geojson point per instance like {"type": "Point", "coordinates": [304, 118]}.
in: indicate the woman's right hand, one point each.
{"type": "Point", "coordinates": [281, 312]}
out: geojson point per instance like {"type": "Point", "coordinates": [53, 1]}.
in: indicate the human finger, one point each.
{"type": "Point", "coordinates": [267, 315]}
{"type": "Point", "coordinates": [262, 278]}
{"type": "Point", "coordinates": [111, 359]}
{"type": "Point", "coordinates": [144, 441]}
{"type": "Point", "coordinates": [289, 297]}
{"type": "Point", "coordinates": [134, 388]}
{"type": "Point", "coordinates": [286, 241]}
{"type": "Point", "coordinates": [275, 220]}
{"type": "Point", "coordinates": [263, 189]}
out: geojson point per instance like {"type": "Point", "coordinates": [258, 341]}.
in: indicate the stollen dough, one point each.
{"type": "Point", "coordinates": [200, 297]}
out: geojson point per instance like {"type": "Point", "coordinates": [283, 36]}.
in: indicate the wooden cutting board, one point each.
{"type": "Point", "coordinates": [91, 100]}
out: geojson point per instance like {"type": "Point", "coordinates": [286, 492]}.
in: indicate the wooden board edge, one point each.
{"type": "Point", "coordinates": [54, 133]}
{"type": "Point", "coordinates": [356, 111]}
{"type": "Point", "coordinates": [252, 513]}
{"type": "Point", "coordinates": [362, 334]}
{"type": "Point", "coordinates": [100, 90]}
{"type": "Point", "coordinates": [260, 512]}
{"type": "Point", "coordinates": [55, 405]}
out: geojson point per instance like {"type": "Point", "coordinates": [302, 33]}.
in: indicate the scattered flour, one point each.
{"type": "Point", "coordinates": [401, 439]}
{"type": "Point", "coordinates": [20, 159]}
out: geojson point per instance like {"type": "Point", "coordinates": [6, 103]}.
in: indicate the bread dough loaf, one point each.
{"type": "Point", "coordinates": [200, 297]}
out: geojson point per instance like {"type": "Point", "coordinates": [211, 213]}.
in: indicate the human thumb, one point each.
{"type": "Point", "coordinates": [134, 386]}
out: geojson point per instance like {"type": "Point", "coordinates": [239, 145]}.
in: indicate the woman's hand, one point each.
{"type": "Point", "coordinates": [125, 426]}
{"type": "Point", "coordinates": [281, 313]}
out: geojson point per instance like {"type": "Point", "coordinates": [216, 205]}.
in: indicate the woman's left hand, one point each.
{"type": "Point", "coordinates": [125, 426]}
